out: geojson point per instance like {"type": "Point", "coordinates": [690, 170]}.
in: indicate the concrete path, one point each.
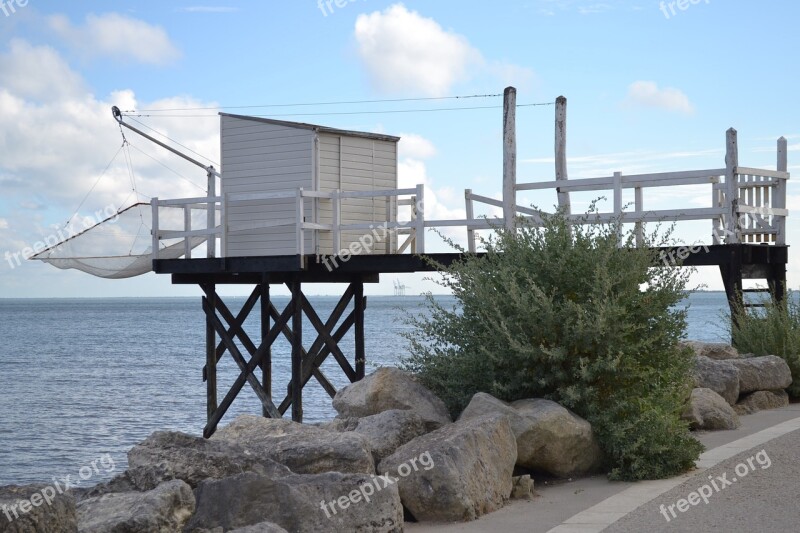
{"type": "Point", "coordinates": [765, 496]}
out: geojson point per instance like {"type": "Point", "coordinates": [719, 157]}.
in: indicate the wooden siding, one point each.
{"type": "Point", "coordinates": [355, 164]}
{"type": "Point", "coordinates": [262, 157]}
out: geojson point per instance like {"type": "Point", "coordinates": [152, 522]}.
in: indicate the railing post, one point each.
{"type": "Point", "coordinates": [618, 204]}
{"type": "Point", "coordinates": [337, 222]}
{"type": "Point", "coordinates": [639, 208]}
{"type": "Point", "coordinates": [509, 157]}
{"type": "Point", "coordinates": [561, 153]}
{"type": "Point", "coordinates": [299, 223]}
{"type": "Point", "coordinates": [779, 197]}
{"type": "Point", "coordinates": [187, 226]}
{"type": "Point", "coordinates": [470, 217]}
{"type": "Point", "coordinates": [211, 216]}
{"type": "Point", "coordinates": [732, 187]}
{"type": "Point", "coordinates": [420, 222]}
{"type": "Point", "coordinates": [154, 206]}
{"type": "Point", "coordinates": [412, 222]}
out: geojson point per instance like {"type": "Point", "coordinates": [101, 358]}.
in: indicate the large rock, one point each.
{"type": "Point", "coordinates": [299, 503]}
{"type": "Point", "coordinates": [164, 509]}
{"type": "Point", "coordinates": [385, 431]}
{"type": "Point", "coordinates": [458, 472]}
{"type": "Point", "coordinates": [550, 438]}
{"type": "Point", "coordinates": [303, 448]}
{"type": "Point", "coordinates": [708, 410]}
{"type": "Point", "coordinates": [720, 376]}
{"type": "Point", "coordinates": [712, 350]}
{"type": "Point", "coordinates": [390, 388]}
{"type": "Point", "coordinates": [761, 401]}
{"type": "Point", "coordinates": [37, 509]}
{"type": "Point", "coordinates": [164, 456]}
{"type": "Point", "coordinates": [768, 372]}
{"type": "Point", "coordinates": [557, 440]}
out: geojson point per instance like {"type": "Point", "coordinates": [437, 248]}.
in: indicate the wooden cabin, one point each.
{"type": "Point", "coordinates": [265, 162]}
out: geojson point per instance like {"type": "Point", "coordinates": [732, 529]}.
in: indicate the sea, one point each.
{"type": "Point", "coordinates": [83, 380]}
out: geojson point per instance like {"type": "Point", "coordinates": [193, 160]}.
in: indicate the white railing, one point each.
{"type": "Point", "coordinates": [189, 235]}
{"type": "Point", "coordinates": [748, 206]}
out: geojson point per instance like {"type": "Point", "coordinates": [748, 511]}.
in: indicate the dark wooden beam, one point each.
{"type": "Point", "coordinates": [297, 351]}
{"type": "Point", "coordinates": [210, 370]}
{"type": "Point", "coordinates": [211, 426]}
{"type": "Point", "coordinates": [361, 357]}
{"type": "Point", "coordinates": [266, 401]}
{"type": "Point", "coordinates": [266, 362]}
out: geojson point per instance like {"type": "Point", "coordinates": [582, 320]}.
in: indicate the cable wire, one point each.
{"type": "Point", "coordinates": [460, 97]}
{"type": "Point", "coordinates": [140, 115]}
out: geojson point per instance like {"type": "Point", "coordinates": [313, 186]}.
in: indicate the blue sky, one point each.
{"type": "Point", "coordinates": [649, 89]}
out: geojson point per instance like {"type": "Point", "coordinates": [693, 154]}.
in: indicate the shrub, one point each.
{"type": "Point", "coordinates": [567, 314]}
{"type": "Point", "coordinates": [772, 330]}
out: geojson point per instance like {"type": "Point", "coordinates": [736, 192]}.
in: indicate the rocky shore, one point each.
{"type": "Point", "coordinates": [393, 454]}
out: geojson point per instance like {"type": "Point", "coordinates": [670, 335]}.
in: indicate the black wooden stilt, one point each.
{"type": "Point", "coordinates": [266, 364]}
{"type": "Point", "coordinates": [732, 280]}
{"type": "Point", "coordinates": [210, 373]}
{"type": "Point", "coordinates": [360, 305]}
{"type": "Point", "coordinates": [297, 351]}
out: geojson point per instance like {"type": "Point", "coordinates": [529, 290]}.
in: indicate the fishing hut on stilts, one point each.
{"type": "Point", "coordinates": [301, 204]}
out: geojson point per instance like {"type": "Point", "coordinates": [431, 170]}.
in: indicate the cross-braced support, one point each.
{"type": "Point", "coordinates": [289, 323]}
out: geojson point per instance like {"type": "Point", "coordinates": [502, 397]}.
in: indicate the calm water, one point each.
{"type": "Point", "coordinates": [83, 378]}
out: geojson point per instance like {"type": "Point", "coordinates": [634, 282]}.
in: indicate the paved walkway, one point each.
{"type": "Point", "coordinates": [763, 456]}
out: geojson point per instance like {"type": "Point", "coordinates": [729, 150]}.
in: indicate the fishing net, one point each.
{"type": "Point", "coordinates": [121, 245]}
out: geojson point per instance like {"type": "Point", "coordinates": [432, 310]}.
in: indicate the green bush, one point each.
{"type": "Point", "coordinates": [772, 330]}
{"type": "Point", "coordinates": [565, 313]}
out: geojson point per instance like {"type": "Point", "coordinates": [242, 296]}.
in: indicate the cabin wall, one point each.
{"type": "Point", "coordinates": [355, 164]}
{"type": "Point", "coordinates": [262, 157]}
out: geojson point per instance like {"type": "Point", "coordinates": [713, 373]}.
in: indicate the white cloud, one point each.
{"type": "Point", "coordinates": [3, 223]}
{"type": "Point", "coordinates": [406, 52]}
{"type": "Point", "coordinates": [36, 73]}
{"type": "Point", "coordinates": [416, 146]}
{"type": "Point", "coordinates": [117, 36]}
{"type": "Point", "coordinates": [594, 8]}
{"type": "Point", "coordinates": [648, 94]}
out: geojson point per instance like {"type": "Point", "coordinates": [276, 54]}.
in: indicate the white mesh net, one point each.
{"type": "Point", "coordinates": [121, 246]}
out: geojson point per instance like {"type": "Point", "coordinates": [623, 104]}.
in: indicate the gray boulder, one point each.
{"type": "Point", "coordinates": [385, 432]}
{"type": "Point", "coordinates": [299, 503]}
{"type": "Point", "coordinates": [708, 410]}
{"type": "Point", "coordinates": [550, 438]}
{"type": "Point", "coordinates": [304, 449]}
{"type": "Point", "coordinates": [458, 472]}
{"type": "Point", "coordinates": [164, 456]}
{"type": "Point", "coordinates": [556, 440]}
{"type": "Point", "coordinates": [712, 350]}
{"type": "Point", "coordinates": [391, 388]}
{"type": "Point", "coordinates": [768, 372]}
{"type": "Point", "coordinates": [761, 401]}
{"type": "Point", "coordinates": [36, 509]}
{"type": "Point", "coordinates": [720, 376]}
{"type": "Point", "coordinates": [165, 509]}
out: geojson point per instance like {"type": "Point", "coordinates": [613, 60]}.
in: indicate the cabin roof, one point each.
{"type": "Point", "coordinates": [318, 128]}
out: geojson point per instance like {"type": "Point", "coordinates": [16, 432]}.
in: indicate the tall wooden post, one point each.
{"type": "Point", "coordinates": [297, 351]}
{"type": "Point", "coordinates": [731, 187]}
{"type": "Point", "coordinates": [509, 157]}
{"type": "Point", "coordinates": [211, 215]}
{"type": "Point", "coordinates": [211, 354]}
{"type": "Point", "coordinates": [779, 198]}
{"type": "Point", "coordinates": [266, 362]}
{"type": "Point", "coordinates": [561, 153]}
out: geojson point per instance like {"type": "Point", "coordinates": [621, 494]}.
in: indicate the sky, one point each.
{"type": "Point", "coordinates": [651, 87]}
